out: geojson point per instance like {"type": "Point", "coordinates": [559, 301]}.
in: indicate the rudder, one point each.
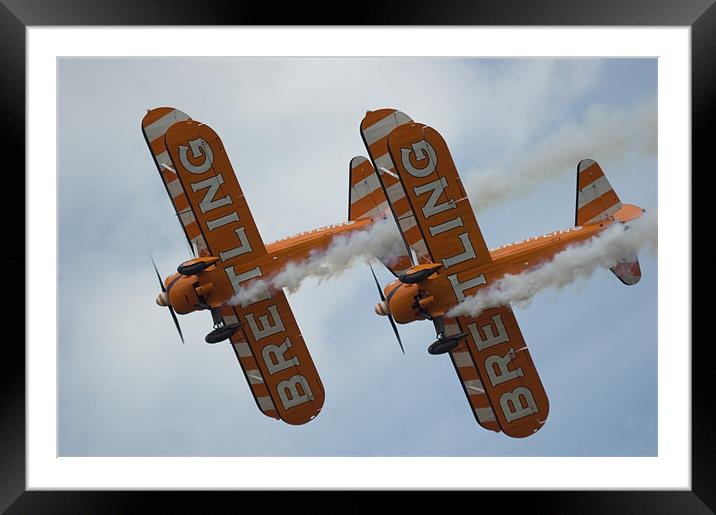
{"type": "Point", "coordinates": [596, 199]}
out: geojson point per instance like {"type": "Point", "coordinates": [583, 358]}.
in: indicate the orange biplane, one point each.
{"type": "Point", "coordinates": [229, 254]}
{"type": "Point", "coordinates": [417, 181]}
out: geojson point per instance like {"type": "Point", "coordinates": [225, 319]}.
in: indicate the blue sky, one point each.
{"type": "Point", "coordinates": [127, 387]}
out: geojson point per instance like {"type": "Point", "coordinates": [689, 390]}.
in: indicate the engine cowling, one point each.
{"type": "Point", "coordinates": [401, 302]}
{"type": "Point", "coordinates": [181, 294]}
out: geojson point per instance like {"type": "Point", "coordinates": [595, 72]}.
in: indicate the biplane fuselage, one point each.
{"type": "Point", "coordinates": [212, 286]}
{"type": "Point", "coordinates": [438, 295]}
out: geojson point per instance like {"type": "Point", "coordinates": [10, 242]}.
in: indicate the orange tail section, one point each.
{"type": "Point", "coordinates": [628, 272]}
{"type": "Point", "coordinates": [596, 202]}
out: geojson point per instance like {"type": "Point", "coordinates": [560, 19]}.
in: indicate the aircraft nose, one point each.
{"type": "Point", "coordinates": [382, 309]}
{"type": "Point", "coordinates": [162, 300]}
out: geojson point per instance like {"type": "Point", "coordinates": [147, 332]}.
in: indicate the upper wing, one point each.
{"type": "Point", "coordinates": [154, 127]}
{"type": "Point", "coordinates": [366, 198]}
{"type": "Point", "coordinates": [436, 198]}
{"type": "Point", "coordinates": [375, 129]}
{"type": "Point", "coordinates": [276, 361]}
{"type": "Point", "coordinates": [365, 195]}
{"type": "Point", "coordinates": [507, 380]}
{"type": "Point", "coordinates": [215, 199]}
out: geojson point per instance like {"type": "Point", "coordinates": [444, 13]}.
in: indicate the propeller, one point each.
{"type": "Point", "coordinates": [382, 298]}
{"type": "Point", "coordinates": [164, 290]}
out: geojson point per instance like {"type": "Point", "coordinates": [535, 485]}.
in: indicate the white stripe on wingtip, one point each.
{"type": "Point", "coordinates": [230, 319]}
{"type": "Point", "coordinates": [254, 377]}
{"type": "Point", "coordinates": [382, 127]}
{"type": "Point", "coordinates": [357, 161]}
{"type": "Point", "coordinates": [474, 386]}
{"type": "Point", "coordinates": [485, 414]}
{"type": "Point", "coordinates": [175, 188]}
{"type": "Point", "coordinates": [158, 128]}
{"type": "Point", "coordinates": [187, 217]}
{"type": "Point", "coordinates": [420, 247]}
{"type": "Point", "coordinates": [384, 161]}
{"type": "Point", "coordinates": [265, 403]}
{"type": "Point", "coordinates": [408, 222]}
{"type": "Point", "coordinates": [243, 349]}
{"type": "Point", "coordinates": [395, 192]}
{"type": "Point", "coordinates": [462, 359]}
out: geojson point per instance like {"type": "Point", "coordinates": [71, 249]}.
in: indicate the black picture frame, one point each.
{"type": "Point", "coordinates": [17, 15]}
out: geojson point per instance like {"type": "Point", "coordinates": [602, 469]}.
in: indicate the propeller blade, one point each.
{"type": "Point", "coordinates": [161, 283]}
{"type": "Point", "coordinates": [395, 330]}
{"type": "Point", "coordinates": [390, 317]}
{"type": "Point", "coordinates": [176, 323]}
{"type": "Point", "coordinates": [174, 316]}
{"type": "Point", "coordinates": [380, 290]}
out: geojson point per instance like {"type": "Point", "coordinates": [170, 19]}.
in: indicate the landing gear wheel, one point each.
{"type": "Point", "coordinates": [443, 345]}
{"type": "Point", "coordinates": [220, 334]}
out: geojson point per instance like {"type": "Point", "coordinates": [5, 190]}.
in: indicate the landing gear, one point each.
{"type": "Point", "coordinates": [444, 343]}
{"type": "Point", "coordinates": [221, 331]}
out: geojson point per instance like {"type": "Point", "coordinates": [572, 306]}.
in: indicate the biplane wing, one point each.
{"type": "Point", "coordinates": [366, 199]}
{"type": "Point", "coordinates": [365, 194]}
{"type": "Point", "coordinates": [469, 376]}
{"type": "Point", "coordinates": [375, 128]}
{"type": "Point", "coordinates": [508, 375]}
{"type": "Point", "coordinates": [154, 127]}
{"type": "Point", "coordinates": [447, 225]}
{"type": "Point", "coordinates": [269, 345]}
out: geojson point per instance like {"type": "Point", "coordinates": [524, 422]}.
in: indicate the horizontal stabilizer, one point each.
{"type": "Point", "coordinates": [628, 272]}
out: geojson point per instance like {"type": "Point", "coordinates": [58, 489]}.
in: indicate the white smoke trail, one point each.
{"type": "Point", "coordinates": [617, 243]}
{"type": "Point", "coordinates": [599, 135]}
{"type": "Point", "coordinates": [380, 239]}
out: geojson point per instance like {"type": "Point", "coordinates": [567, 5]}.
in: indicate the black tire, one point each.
{"type": "Point", "coordinates": [443, 345]}
{"type": "Point", "coordinates": [192, 269]}
{"type": "Point", "coordinates": [220, 334]}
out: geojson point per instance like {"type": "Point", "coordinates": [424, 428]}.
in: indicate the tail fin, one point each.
{"type": "Point", "coordinates": [597, 201]}
{"type": "Point", "coordinates": [366, 199]}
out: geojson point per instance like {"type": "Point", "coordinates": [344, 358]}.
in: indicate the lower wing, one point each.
{"type": "Point", "coordinates": [275, 360]}
{"type": "Point", "coordinates": [508, 376]}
